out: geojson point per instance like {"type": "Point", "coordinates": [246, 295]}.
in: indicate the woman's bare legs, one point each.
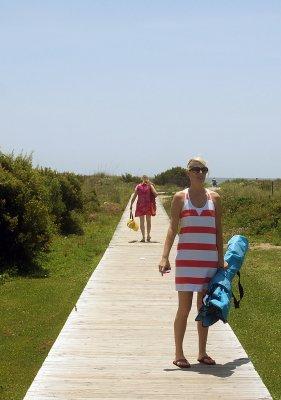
{"type": "Point", "coordinates": [185, 302]}
{"type": "Point", "coordinates": [148, 225]}
{"type": "Point", "coordinates": [202, 331]}
{"type": "Point", "coordinates": [142, 227]}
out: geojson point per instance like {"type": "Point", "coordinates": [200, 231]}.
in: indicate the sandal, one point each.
{"type": "Point", "coordinates": [182, 363]}
{"type": "Point", "coordinates": [142, 241]}
{"type": "Point", "coordinates": [148, 238]}
{"type": "Point", "coordinates": [206, 360]}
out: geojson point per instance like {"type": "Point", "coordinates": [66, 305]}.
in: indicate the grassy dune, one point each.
{"type": "Point", "coordinates": [257, 321]}
{"type": "Point", "coordinates": [33, 311]}
{"type": "Point", "coordinates": [250, 209]}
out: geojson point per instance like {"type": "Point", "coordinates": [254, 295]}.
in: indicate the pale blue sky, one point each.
{"type": "Point", "coordinates": [140, 86]}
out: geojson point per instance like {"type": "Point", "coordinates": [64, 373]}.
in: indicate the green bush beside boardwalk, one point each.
{"type": "Point", "coordinates": [35, 203]}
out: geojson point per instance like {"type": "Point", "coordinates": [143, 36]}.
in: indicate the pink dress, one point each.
{"type": "Point", "coordinates": [144, 200]}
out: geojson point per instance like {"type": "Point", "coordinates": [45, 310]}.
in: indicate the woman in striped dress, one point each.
{"type": "Point", "coordinates": [197, 212]}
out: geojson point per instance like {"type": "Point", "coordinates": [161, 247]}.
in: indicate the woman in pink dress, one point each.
{"type": "Point", "coordinates": [146, 193]}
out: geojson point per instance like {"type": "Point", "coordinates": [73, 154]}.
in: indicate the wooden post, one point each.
{"type": "Point", "coordinates": [272, 185]}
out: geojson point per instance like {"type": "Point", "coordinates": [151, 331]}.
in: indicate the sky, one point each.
{"type": "Point", "coordinates": [139, 87]}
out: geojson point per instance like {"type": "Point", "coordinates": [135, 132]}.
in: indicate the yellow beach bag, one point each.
{"type": "Point", "coordinates": [132, 223]}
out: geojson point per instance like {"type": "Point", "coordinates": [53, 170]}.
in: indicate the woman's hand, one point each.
{"type": "Point", "coordinates": [223, 265]}
{"type": "Point", "coordinates": [164, 266]}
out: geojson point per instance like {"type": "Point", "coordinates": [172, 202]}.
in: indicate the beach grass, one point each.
{"type": "Point", "coordinates": [34, 310]}
{"type": "Point", "coordinates": [249, 209]}
{"type": "Point", "coordinates": [257, 322]}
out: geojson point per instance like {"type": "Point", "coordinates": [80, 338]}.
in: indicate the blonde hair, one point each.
{"type": "Point", "coordinates": [145, 178]}
{"type": "Point", "coordinates": [196, 159]}
{"type": "Point", "coordinates": [190, 161]}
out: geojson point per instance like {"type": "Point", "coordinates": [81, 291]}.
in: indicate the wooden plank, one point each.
{"type": "Point", "coordinates": [119, 343]}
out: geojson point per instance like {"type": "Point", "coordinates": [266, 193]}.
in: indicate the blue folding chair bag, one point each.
{"type": "Point", "coordinates": [217, 302]}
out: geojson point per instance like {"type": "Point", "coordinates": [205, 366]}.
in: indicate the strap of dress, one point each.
{"type": "Point", "coordinates": [208, 194]}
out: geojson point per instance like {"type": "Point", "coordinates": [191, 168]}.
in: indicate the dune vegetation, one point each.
{"type": "Point", "coordinates": [253, 209]}
{"type": "Point", "coordinates": [55, 228]}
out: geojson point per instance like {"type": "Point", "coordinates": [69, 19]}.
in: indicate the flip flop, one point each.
{"type": "Point", "coordinates": [182, 363]}
{"type": "Point", "coordinates": [206, 360]}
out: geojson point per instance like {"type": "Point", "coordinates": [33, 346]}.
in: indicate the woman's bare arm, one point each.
{"type": "Point", "coordinates": [176, 208]}
{"type": "Point", "coordinates": [219, 236]}
{"type": "Point", "coordinates": [153, 190]}
{"type": "Point", "coordinates": [133, 198]}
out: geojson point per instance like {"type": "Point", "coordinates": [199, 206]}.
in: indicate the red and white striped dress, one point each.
{"type": "Point", "coordinates": [197, 255]}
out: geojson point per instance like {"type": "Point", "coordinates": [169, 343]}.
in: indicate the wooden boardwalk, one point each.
{"type": "Point", "coordinates": [119, 342]}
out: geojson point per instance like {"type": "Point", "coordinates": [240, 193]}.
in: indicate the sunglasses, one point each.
{"type": "Point", "coordinates": [204, 170]}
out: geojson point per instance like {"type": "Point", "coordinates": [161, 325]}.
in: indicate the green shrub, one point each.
{"type": "Point", "coordinates": [130, 178]}
{"type": "Point", "coordinates": [64, 199]}
{"type": "Point", "coordinates": [71, 191]}
{"type": "Point", "coordinates": [25, 222]}
{"type": "Point", "coordinates": [72, 223]}
{"type": "Point", "coordinates": [91, 203]}
{"type": "Point", "coordinates": [54, 199]}
{"type": "Point", "coordinates": [72, 199]}
{"type": "Point", "coordinates": [174, 176]}
{"type": "Point", "coordinates": [34, 204]}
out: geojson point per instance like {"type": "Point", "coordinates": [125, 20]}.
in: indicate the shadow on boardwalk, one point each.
{"type": "Point", "coordinates": [220, 370]}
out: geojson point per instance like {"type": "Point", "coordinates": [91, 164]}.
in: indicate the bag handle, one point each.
{"type": "Point", "coordinates": [241, 293]}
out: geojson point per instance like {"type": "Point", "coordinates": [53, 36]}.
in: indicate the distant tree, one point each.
{"type": "Point", "coordinates": [130, 178]}
{"type": "Point", "coordinates": [175, 176]}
